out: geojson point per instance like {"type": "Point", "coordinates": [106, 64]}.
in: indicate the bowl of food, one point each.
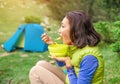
{"type": "Point", "coordinates": [59, 50]}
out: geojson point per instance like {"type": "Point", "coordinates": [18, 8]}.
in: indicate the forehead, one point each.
{"type": "Point", "coordinates": [65, 21]}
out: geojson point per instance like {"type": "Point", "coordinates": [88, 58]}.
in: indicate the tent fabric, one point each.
{"type": "Point", "coordinates": [20, 41]}
{"type": "Point", "coordinates": [10, 44]}
{"type": "Point", "coordinates": [32, 39]}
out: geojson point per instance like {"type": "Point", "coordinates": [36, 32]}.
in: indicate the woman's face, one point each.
{"type": "Point", "coordinates": [64, 31]}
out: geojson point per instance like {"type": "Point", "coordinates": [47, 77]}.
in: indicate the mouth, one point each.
{"type": "Point", "coordinates": [60, 34]}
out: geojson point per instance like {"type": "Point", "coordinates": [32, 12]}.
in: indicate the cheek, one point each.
{"type": "Point", "coordinates": [66, 38]}
{"type": "Point", "coordinates": [65, 34]}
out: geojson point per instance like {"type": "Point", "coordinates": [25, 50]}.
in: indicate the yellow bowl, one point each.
{"type": "Point", "coordinates": [59, 50]}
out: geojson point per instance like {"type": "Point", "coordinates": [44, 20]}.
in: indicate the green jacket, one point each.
{"type": "Point", "coordinates": [79, 54]}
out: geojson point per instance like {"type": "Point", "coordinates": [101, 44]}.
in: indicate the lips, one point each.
{"type": "Point", "coordinates": [60, 34]}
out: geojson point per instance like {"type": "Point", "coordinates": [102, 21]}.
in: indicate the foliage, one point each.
{"type": "Point", "coordinates": [32, 19]}
{"type": "Point", "coordinates": [104, 28]}
{"type": "Point", "coordinates": [116, 24]}
{"type": "Point", "coordinates": [116, 46]}
{"type": "Point", "coordinates": [110, 32]}
{"type": "Point", "coordinates": [60, 7]}
{"type": "Point", "coordinates": [97, 9]}
{"type": "Point", "coordinates": [113, 9]}
{"type": "Point", "coordinates": [90, 7]}
{"type": "Point", "coordinates": [116, 27]}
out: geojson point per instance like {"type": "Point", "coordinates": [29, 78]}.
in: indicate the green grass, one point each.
{"type": "Point", "coordinates": [16, 65]}
{"type": "Point", "coordinates": [112, 61]}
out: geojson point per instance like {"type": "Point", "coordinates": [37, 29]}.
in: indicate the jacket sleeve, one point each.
{"type": "Point", "coordinates": [60, 63]}
{"type": "Point", "coordinates": [88, 67]}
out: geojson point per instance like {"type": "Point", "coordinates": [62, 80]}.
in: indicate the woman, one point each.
{"type": "Point", "coordinates": [84, 63]}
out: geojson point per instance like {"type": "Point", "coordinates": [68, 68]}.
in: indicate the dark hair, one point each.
{"type": "Point", "coordinates": [82, 32]}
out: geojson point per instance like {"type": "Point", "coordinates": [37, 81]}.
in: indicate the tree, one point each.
{"type": "Point", "coordinates": [113, 8]}
{"type": "Point", "coordinates": [60, 7]}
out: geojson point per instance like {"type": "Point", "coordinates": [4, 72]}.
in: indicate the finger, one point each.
{"type": "Point", "coordinates": [44, 34]}
{"type": "Point", "coordinates": [45, 37]}
{"type": "Point", "coordinates": [51, 56]}
{"type": "Point", "coordinates": [54, 57]}
{"type": "Point", "coordinates": [45, 40]}
{"type": "Point", "coordinates": [58, 58]}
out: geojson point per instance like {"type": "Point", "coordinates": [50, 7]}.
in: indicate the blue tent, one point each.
{"type": "Point", "coordinates": [27, 37]}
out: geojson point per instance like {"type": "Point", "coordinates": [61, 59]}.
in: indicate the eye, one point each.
{"type": "Point", "coordinates": [63, 26]}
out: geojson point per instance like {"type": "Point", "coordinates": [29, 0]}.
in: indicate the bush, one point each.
{"type": "Point", "coordinates": [116, 46]}
{"type": "Point", "coordinates": [104, 29]}
{"type": "Point", "coordinates": [116, 24]}
{"type": "Point", "coordinates": [32, 19]}
{"type": "Point", "coordinates": [110, 31]}
{"type": "Point", "coordinates": [116, 30]}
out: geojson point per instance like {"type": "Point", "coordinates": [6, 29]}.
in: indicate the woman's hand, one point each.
{"type": "Point", "coordinates": [47, 39]}
{"type": "Point", "coordinates": [66, 60]}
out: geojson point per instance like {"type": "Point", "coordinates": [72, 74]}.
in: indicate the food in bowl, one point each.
{"type": "Point", "coordinates": [59, 50]}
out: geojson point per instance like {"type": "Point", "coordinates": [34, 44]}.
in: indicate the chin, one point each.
{"type": "Point", "coordinates": [66, 43]}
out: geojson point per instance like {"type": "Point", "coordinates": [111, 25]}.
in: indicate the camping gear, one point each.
{"type": "Point", "coordinates": [59, 50]}
{"type": "Point", "coordinates": [27, 37]}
